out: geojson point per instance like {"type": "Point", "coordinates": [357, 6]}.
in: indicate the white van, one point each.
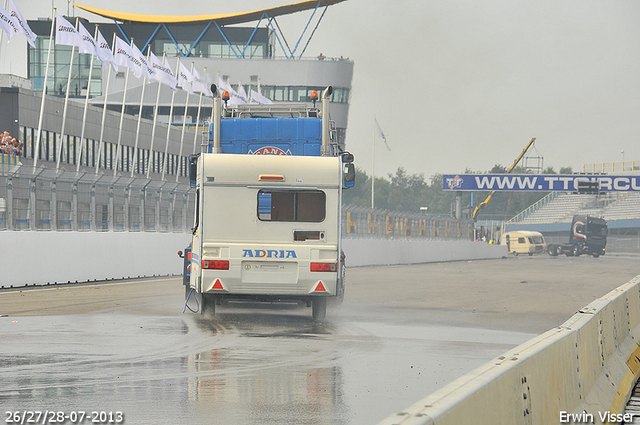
{"type": "Point", "coordinates": [524, 242]}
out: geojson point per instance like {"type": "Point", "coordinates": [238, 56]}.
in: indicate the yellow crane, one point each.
{"type": "Point", "coordinates": [484, 203]}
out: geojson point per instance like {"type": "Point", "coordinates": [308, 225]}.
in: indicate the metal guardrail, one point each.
{"type": "Point", "coordinates": [611, 167]}
{"type": "Point", "coordinates": [50, 200]}
{"type": "Point", "coordinates": [46, 199]}
{"type": "Point", "coordinates": [381, 223]}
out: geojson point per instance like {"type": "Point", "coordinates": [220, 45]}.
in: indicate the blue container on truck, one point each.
{"type": "Point", "coordinates": [284, 136]}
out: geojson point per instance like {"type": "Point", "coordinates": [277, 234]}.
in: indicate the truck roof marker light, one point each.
{"type": "Point", "coordinates": [226, 96]}
{"type": "Point", "coordinates": [270, 178]}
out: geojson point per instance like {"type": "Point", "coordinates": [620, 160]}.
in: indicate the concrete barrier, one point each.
{"type": "Point", "coordinates": [581, 372]}
{"type": "Point", "coordinates": [369, 252]}
{"type": "Point", "coordinates": [39, 258]}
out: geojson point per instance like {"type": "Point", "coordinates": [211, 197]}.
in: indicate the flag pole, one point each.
{"type": "Point", "coordinates": [36, 153]}
{"type": "Point", "coordinates": [104, 109]}
{"type": "Point", "coordinates": [155, 121]}
{"type": "Point", "coordinates": [64, 109]}
{"type": "Point", "coordinates": [2, 32]}
{"type": "Point", "coordinates": [373, 165]}
{"type": "Point", "coordinates": [3, 51]}
{"type": "Point", "coordinates": [166, 148]}
{"type": "Point", "coordinates": [124, 98]}
{"type": "Point", "coordinates": [86, 106]}
{"type": "Point", "coordinates": [153, 128]}
{"type": "Point", "coordinates": [195, 135]}
{"type": "Point", "coordinates": [184, 124]}
{"type": "Point", "coordinates": [135, 147]}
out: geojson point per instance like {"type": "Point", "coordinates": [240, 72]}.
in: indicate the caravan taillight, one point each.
{"type": "Point", "coordinates": [323, 267]}
{"type": "Point", "coordinates": [215, 264]}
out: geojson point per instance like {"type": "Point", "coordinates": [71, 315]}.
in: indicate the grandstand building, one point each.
{"type": "Point", "coordinates": [128, 172]}
{"type": "Point", "coordinates": [242, 49]}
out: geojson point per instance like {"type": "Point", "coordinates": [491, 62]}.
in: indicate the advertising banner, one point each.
{"type": "Point", "coordinates": [539, 182]}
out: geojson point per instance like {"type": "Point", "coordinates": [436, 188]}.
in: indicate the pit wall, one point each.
{"type": "Point", "coordinates": [375, 252]}
{"type": "Point", "coordinates": [587, 367]}
{"type": "Point", "coordinates": [40, 258]}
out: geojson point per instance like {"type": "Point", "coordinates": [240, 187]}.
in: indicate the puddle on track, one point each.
{"type": "Point", "coordinates": [261, 367]}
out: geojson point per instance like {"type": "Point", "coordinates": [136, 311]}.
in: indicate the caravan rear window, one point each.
{"type": "Point", "coordinates": [290, 205]}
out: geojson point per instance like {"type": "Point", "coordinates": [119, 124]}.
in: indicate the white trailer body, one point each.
{"type": "Point", "coordinates": [268, 228]}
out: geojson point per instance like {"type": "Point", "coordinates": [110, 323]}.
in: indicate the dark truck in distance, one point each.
{"type": "Point", "coordinates": [588, 235]}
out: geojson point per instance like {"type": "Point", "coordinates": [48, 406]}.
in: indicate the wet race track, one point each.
{"type": "Point", "coordinates": [402, 333]}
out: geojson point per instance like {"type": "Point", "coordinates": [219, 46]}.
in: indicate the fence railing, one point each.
{"type": "Point", "coordinates": [46, 199]}
{"type": "Point", "coordinates": [380, 223]}
{"type": "Point", "coordinates": [611, 167]}
{"type": "Point", "coordinates": [50, 200]}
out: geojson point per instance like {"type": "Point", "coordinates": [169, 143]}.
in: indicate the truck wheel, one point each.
{"type": "Point", "coordinates": [319, 309]}
{"type": "Point", "coordinates": [576, 251]}
{"type": "Point", "coordinates": [596, 255]}
{"type": "Point", "coordinates": [558, 250]}
{"type": "Point", "coordinates": [551, 250]}
{"type": "Point", "coordinates": [208, 305]}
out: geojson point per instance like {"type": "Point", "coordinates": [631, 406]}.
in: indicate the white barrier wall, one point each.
{"type": "Point", "coordinates": [368, 252]}
{"type": "Point", "coordinates": [581, 372]}
{"type": "Point", "coordinates": [58, 257]}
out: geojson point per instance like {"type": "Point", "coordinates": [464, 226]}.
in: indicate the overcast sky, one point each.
{"type": "Point", "coordinates": [461, 84]}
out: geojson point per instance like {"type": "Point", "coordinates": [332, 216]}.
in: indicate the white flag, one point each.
{"type": "Point", "coordinates": [258, 98]}
{"type": "Point", "coordinates": [163, 72]}
{"type": "Point", "coordinates": [200, 84]}
{"type": "Point", "coordinates": [223, 86]}
{"type": "Point", "coordinates": [185, 78]}
{"type": "Point", "coordinates": [105, 54]}
{"type": "Point", "coordinates": [16, 16]}
{"type": "Point", "coordinates": [242, 94]}
{"type": "Point", "coordinates": [384, 138]}
{"type": "Point", "coordinates": [127, 57]}
{"type": "Point", "coordinates": [88, 43]}
{"type": "Point", "coordinates": [8, 24]}
{"type": "Point", "coordinates": [147, 71]}
{"type": "Point", "coordinates": [66, 34]}
{"type": "Point", "coordinates": [234, 97]}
